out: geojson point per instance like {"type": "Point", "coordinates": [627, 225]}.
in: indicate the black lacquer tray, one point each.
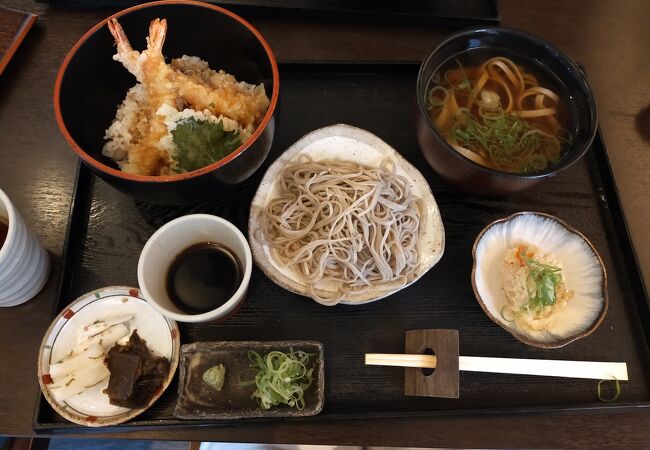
{"type": "Point", "coordinates": [107, 231]}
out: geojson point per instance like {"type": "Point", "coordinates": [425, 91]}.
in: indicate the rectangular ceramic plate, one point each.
{"type": "Point", "coordinates": [197, 400]}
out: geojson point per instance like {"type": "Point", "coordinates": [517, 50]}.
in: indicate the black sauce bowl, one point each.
{"type": "Point", "coordinates": [90, 86]}
{"type": "Point", "coordinates": [474, 178]}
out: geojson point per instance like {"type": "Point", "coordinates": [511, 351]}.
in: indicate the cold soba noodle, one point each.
{"type": "Point", "coordinates": [498, 115]}
{"type": "Point", "coordinates": [343, 224]}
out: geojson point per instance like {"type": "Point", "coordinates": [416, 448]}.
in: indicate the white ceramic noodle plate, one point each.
{"type": "Point", "coordinates": [583, 272]}
{"type": "Point", "coordinates": [344, 142]}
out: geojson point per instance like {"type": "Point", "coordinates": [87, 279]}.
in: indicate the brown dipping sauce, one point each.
{"type": "Point", "coordinates": [203, 277]}
{"type": "Point", "coordinates": [4, 230]}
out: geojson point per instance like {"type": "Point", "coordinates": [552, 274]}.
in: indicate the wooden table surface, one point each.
{"type": "Point", "coordinates": [37, 171]}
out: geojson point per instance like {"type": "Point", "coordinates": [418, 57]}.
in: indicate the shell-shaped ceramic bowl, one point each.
{"type": "Point", "coordinates": [344, 142]}
{"type": "Point", "coordinates": [583, 272]}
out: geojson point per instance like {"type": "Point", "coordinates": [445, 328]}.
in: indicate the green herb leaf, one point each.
{"type": "Point", "coordinates": [546, 290]}
{"type": "Point", "coordinates": [201, 143]}
{"type": "Point", "coordinates": [545, 279]}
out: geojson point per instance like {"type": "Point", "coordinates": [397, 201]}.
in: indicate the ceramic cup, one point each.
{"type": "Point", "coordinates": [174, 237]}
{"type": "Point", "coordinates": [24, 264]}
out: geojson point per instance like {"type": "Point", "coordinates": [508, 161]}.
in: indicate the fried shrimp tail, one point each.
{"type": "Point", "coordinates": [157, 34]}
{"type": "Point", "coordinates": [148, 66]}
{"type": "Point", "coordinates": [125, 53]}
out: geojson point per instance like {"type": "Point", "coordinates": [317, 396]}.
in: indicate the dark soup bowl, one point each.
{"type": "Point", "coordinates": [90, 86]}
{"type": "Point", "coordinates": [554, 70]}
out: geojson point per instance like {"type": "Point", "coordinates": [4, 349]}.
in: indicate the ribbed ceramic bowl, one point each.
{"type": "Point", "coordinates": [90, 86]}
{"type": "Point", "coordinates": [582, 270]}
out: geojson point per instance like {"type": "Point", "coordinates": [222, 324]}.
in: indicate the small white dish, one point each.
{"type": "Point", "coordinates": [344, 142]}
{"type": "Point", "coordinates": [174, 237]}
{"type": "Point", "coordinates": [92, 407]}
{"type": "Point", "coordinates": [582, 271]}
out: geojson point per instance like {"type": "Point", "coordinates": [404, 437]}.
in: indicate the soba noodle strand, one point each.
{"type": "Point", "coordinates": [343, 226]}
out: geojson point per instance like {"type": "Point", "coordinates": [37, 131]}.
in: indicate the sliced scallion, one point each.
{"type": "Point", "coordinates": [280, 378]}
{"type": "Point", "coordinates": [504, 316]}
{"type": "Point", "coordinates": [616, 395]}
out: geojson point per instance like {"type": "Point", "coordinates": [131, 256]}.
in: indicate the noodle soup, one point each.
{"type": "Point", "coordinates": [500, 111]}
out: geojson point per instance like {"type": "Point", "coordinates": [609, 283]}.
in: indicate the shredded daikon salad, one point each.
{"type": "Point", "coordinates": [83, 367]}
{"type": "Point", "coordinates": [280, 378]}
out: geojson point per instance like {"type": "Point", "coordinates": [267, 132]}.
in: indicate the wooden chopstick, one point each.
{"type": "Point", "coordinates": [383, 359]}
{"type": "Point", "coordinates": [541, 367]}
